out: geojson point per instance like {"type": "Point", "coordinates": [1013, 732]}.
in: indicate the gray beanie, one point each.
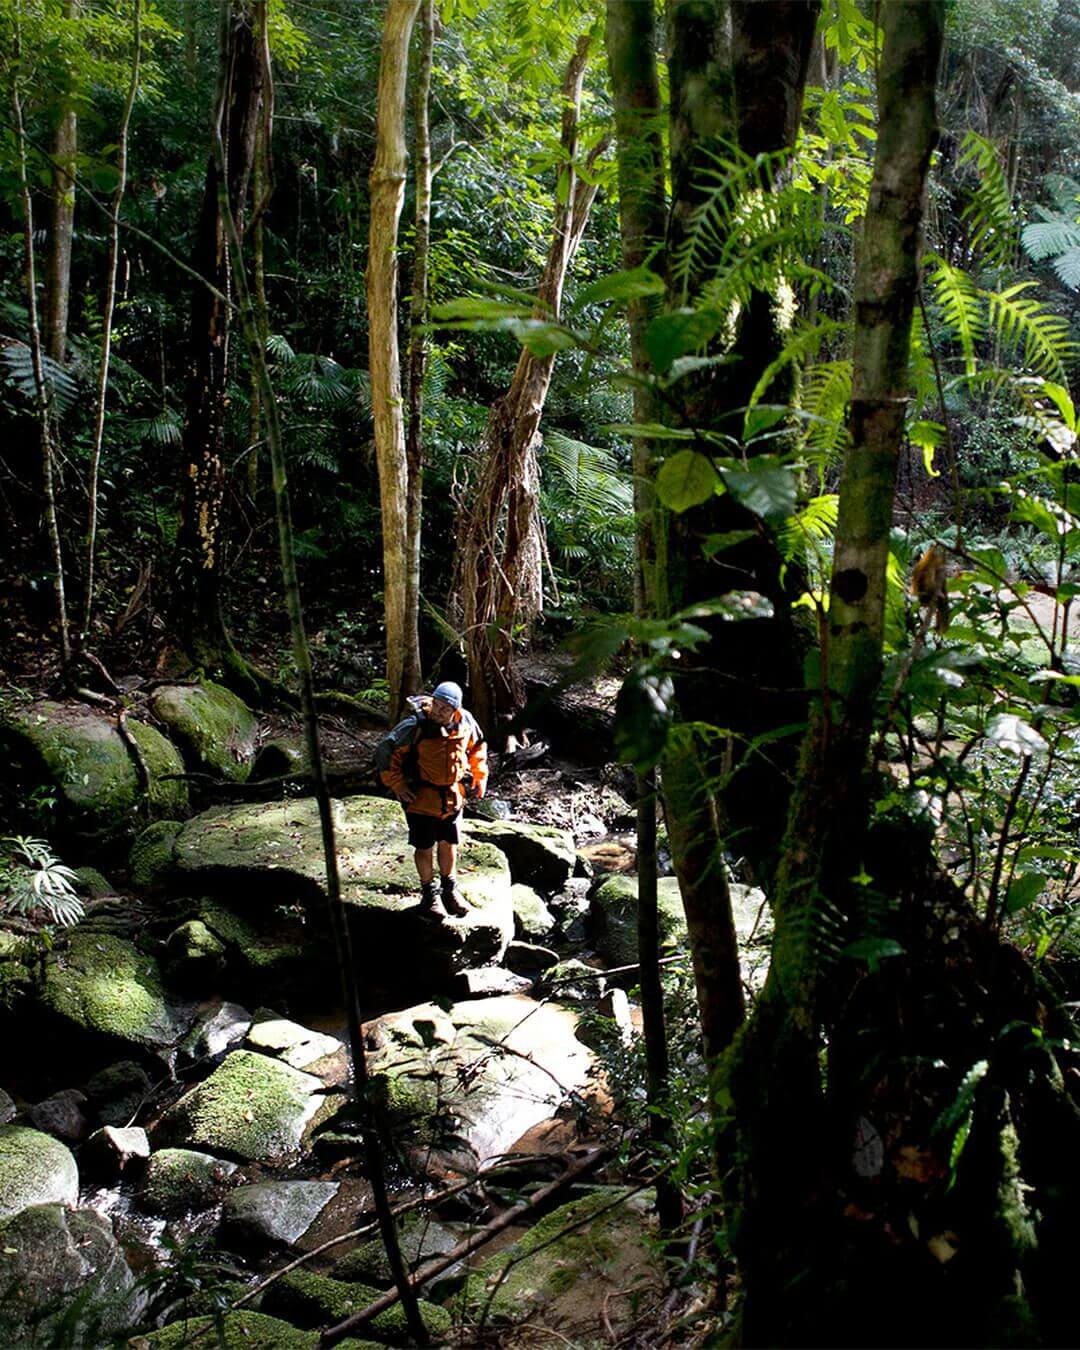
{"type": "Point", "coordinates": [449, 692]}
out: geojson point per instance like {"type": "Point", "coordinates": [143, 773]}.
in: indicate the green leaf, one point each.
{"type": "Point", "coordinates": [690, 365]}
{"type": "Point", "coordinates": [763, 417]}
{"type": "Point", "coordinates": [651, 431]}
{"type": "Point", "coordinates": [1024, 889]}
{"type": "Point", "coordinates": [1012, 733]}
{"type": "Point", "coordinates": [644, 712]}
{"type": "Point", "coordinates": [733, 605]}
{"type": "Point", "coordinates": [678, 333]}
{"type": "Point", "coordinates": [766, 489]}
{"type": "Point", "coordinates": [686, 479]}
{"type": "Point", "coordinates": [719, 543]}
{"type": "Point", "coordinates": [477, 307]}
{"type": "Point", "coordinates": [632, 284]}
{"type": "Point", "coordinates": [541, 337]}
{"type": "Point", "coordinates": [872, 951]}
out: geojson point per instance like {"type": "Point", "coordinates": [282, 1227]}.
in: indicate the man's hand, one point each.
{"type": "Point", "coordinates": [406, 797]}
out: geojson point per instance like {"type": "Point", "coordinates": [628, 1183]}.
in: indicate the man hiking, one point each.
{"type": "Point", "coordinates": [437, 757]}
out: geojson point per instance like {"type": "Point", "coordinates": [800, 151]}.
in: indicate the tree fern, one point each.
{"type": "Point", "coordinates": [989, 214]}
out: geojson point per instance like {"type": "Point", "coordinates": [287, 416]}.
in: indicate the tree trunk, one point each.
{"type": "Point", "coordinates": [789, 1199]}
{"type": "Point", "coordinates": [500, 538]}
{"type": "Point", "coordinates": [107, 321]}
{"type": "Point", "coordinates": [201, 536]}
{"type": "Point", "coordinates": [387, 194]}
{"type": "Point", "coordinates": [417, 357]}
{"type": "Point", "coordinates": [630, 39]}
{"type": "Point", "coordinates": [65, 149]}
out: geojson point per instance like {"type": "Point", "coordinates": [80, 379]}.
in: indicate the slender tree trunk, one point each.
{"type": "Point", "coordinates": [630, 39]}
{"type": "Point", "coordinates": [790, 1192]}
{"type": "Point", "coordinates": [201, 538]}
{"type": "Point", "coordinates": [500, 537]}
{"type": "Point", "coordinates": [387, 194]}
{"type": "Point", "coordinates": [417, 356]}
{"type": "Point", "coordinates": [65, 148]}
{"type": "Point", "coordinates": [107, 321]}
{"type": "Point", "coordinates": [255, 323]}
{"type": "Point", "coordinates": [41, 385]}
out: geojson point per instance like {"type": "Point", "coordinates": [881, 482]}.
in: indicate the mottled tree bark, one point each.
{"type": "Point", "coordinates": [387, 195]}
{"type": "Point", "coordinates": [631, 38]}
{"type": "Point", "coordinates": [65, 148]}
{"type": "Point", "coordinates": [198, 613]}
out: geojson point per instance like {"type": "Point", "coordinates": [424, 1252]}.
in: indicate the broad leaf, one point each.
{"type": "Point", "coordinates": [678, 333]}
{"type": "Point", "coordinates": [686, 479]}
{"type": "Point", "coordinates": [541, 337]}
{"type": "Point", "coordinates": [477, 307]}
{"type": "Point", "coordinates": [768, 490]}
{"type": "Point", "coordinates": [1024, 889]}
{"type": "Point", "coordinates": [632, 284]}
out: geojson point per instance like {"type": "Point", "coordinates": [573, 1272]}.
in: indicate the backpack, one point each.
{"type": "Point", "coordinates": [407, 732]}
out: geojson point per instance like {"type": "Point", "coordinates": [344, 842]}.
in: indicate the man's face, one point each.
{"type": "Point", "coordinates": [441, 712]}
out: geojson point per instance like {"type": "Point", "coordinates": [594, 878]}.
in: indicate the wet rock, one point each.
{"type": "Point", "coordinates": [421, 1239]}
{"type": "Point", "coordinates": [573, 982]}
{"type": "Point", "coordinates": [118, 1091]}
{"type": "Point", "coordinates": [65, 1279]}
{"type": "Point", "coordinates": [271, 1213]}
{"type": "Point", "coordinates": [532, 918]}
{"type": "Point", "coordinates": [618, 1028]}
{"type": "Point", "coordinates": [214, 729]}
{"type": "Point", "coordinates": [613, 920]}
{"type": "Point", "coordinates": [215, 1031]}
{"type": "Point", "coordinates": [539, 855]}
{"type": "Point", "coordinates": [61, 1115]}
{"type": "Point", "coordinates": [111, 1150]}
{"type": "Point", "coordinates": [252, 1108]}
{"type": "Point", "coordinates": [489, 981]}
{"type": "Point", "coordinates": [482, 1073]}
{"type": "Point", "coordinates": [7, 1108]}
{"type": "Point", "coordinates": [572, 898]}
{"type": "Point", "coordinates": [79, 754]}
{"type": "Point", "coordinates": [181, 1179]}
{"type": "Point", "coordinates": [292, 1043]}
{"type": "Point", "coordinates": [754, 927]}
{"type": "Point", "coordinates": [242, 1330]}
{"type": "Point", "coordinates": [103, 984]}
{"type": "Point", "coordinates": [526, 958]}
{"type": "Point", "coordinates": [35, 1169]}
{"type": "Point", "coordinates": [612, 853]}
{"type": "Point", "coordinates": [309, 1299]}
{"type": "Point", "coordinates": [194, 957]}
{"type": "Point", "coordinates": [151, 854]}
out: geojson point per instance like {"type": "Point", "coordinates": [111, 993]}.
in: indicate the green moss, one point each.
{"type": "Point", "coordinates": [152, 853]}
{"type": "Point", "coordinates": [311, 1299]}
{"type": "Point", "coordinates": [214, 728]}
{"type": "Point", "coordinates": [539, 855]}
{"type": "Point", "coordinates": [35, 1169]}
{"type": "Point", "coordinates": [251, 1107]}
{"type": "Point", "coordinates": [89, 881]}
{"type": "Point", "coordinates": [168, 788]}
{"type": "Point", "coordinates": [419, 1238]}
{"type": "Point", "coordinates": [269, 958]}
{"type": "Point", "coordinates": [614, 912]}
{"type": "Point", "coordinates": [241, 1330]}
{"type": "Point", "coordinates": [105, 984]}
{"type": "Point", "coordinates": [179, 1179]}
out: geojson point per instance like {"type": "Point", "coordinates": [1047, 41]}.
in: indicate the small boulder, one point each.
{"type": "Point", "coordinates": [35, 1169]}
{"type": "Point", "coordinates": [89, 881]}
{"type": "Point", "coordinates": [61, 1115]}
{"type": "Point", "coordinates": [178, 1180]}
{"type": "Point", "coordinates": [117, 1092]}
{"type": "Point", "coordinates": [292, 1043]}
{"type": "Point", "coordinates": [103, 984]}
{"type": "Point", "coordinates": [532, 918]}
{"type": "Point", "coordinates": [194, 957]}
{"type": "Point", "coordinates": [7, 1108]}
{"type": "Point", "coordinates": [421, 1239]}
{"type": "Point", "coordinates": [215, 1031]}
{"type": "Point", "coordinates": [110, 1151]}
{"type": "Point", "coordinates": [252, 1108]}
{"type": "Point", "coordinates": [271, 1213]}
{"type": "Point", "coordinates": [528, 959]}
{"type": "Point", "coordinates": [573, 982]}
{"type": "Point", "coordinates": [64, 1278]}
{"type": "Point", "coordinates": [241, 1330]}
{"type": "Point", "coordinates": [280, 757]}
{"type": "Point", "coordinates": [539, 855]}
{"type": "Point", "coordinates": [488, 981]}
{"type": "Point", "coordinates": [151, 854]}
{"type": "Point", "coordinates": [613, 919]}
{"type": "Point", "coordinates": [214, 729]}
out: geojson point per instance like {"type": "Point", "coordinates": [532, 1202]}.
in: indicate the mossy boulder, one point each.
{"type": "Point", "coordinates": [251, 1108]}
{"type": "Point", "coordinates": [79, 756]}
{"type": "Point", "coordinates": [420, 1238]}
{"type": "Point", "coordinates": [194, 957]}
{"type": "Point", "coordinates": [35, 1169]}
{"type": "Point", "coordinates": [103, 985]}
{"type": "Point", "coordinates": [613, 919]}
{"type": "Point", "coordinates": [310, 1299]}
{"type": "Point", "coordinates": [267, 958]}
{"type": "Point", "coordinates": [117, 1092]}
{"type": "Point", "coordinates": [268, 1213]}
{"type": "Point", "coordinates": [533, 921]}
{"type": "Point", "coordinates": [242, 1330]}
{"type": "Point", "coordinates": [151, 854]}
{"type": "Point", "coordinates": [272, 851]}
{"type": "Point", "coordinates": [484, 1072]}
{"type": "Point", "coordinates": [181, 1179]}
{"type": "Point", "coordinates": [214, 729]}
{"type": "Point", "coordinates": [594, 1240]}
{"type": "Point", "coordinates": [539, 855]}
{"type": "Point", "coordinates": [63, 1279]}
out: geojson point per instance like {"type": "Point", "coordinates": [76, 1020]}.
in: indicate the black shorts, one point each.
{"type": "Point", "coordinates": [424, 831]}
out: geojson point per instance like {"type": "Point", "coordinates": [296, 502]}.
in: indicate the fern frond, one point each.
{"type": "Point", "coordinates": [989, 213]}
{"type": "Point", "coordinates": [18, 360]}
{"type": "Point", "coordinates": [1047, 238]}
{"type": "Point", "coordinates": [802, 344]}
{"type": "Point", "coordinates": [1067, 266]}
{"type": "Point", "coordinates": [816, 522]}
{"type": "Point", "coordinates": [1022, 322]}
{"type": "Point", "coordinates": [962, 307]}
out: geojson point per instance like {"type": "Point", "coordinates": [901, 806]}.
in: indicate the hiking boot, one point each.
{"type": "Point", "coordinates": [451, 899]}
{"type": "Point", "coordinates": [430, 907]}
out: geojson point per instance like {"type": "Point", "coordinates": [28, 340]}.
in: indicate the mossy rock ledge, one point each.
{"type": "Point", "coordinates": [272, 851]}
{"type": "Point", "coordinates": [78, 754]}
{"type": "Point", "coordinates": [214, 729]}
{"type": "Point", "coordinates": [51, 1257]}
{"type": "Point", "coordinates": [35, 1169]}
{"type": "Point", "coordinates": [539, 855]}
{"type": "Point", "coordinates": [485, 1072]}
{"type": "Point", "coordinates": [104, 987]}
{"type": "Point", "coordinates": [252, 1108]}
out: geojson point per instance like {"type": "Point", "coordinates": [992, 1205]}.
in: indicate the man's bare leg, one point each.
{"type": "Point", "coordinates": [447, 860]}
{"type": "Point", "coordinates": [425, 863]}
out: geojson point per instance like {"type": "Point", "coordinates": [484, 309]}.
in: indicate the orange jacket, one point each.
{"type": "Point", "coordinates": [435, 763]}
